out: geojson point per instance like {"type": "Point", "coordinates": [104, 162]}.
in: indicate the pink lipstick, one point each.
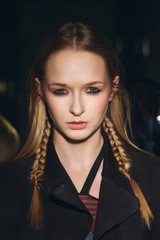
{"type": "Point", "coordinates": [77, 125]}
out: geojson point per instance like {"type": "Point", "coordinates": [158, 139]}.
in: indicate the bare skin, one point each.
{"type": "Point", "coordinates": [78, 160]}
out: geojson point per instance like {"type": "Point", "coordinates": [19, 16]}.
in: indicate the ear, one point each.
{"type": "Point", "coordinates": [114, 87]}
{"type": "Point", "coordinates": [39, 89]}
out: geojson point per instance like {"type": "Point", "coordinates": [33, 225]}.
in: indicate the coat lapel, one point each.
{"type": "Point", "coordinates": [57, 182]}
{"type": "Point", "coordinates": [117, 201]}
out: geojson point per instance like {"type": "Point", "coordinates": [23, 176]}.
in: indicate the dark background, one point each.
{"type": "Point", "coordinates": [133, 28]}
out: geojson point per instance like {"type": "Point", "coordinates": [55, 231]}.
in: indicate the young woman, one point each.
{"type": "Point", "coordinates": [79, 177]}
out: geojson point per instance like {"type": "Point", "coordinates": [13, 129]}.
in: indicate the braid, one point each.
{"type": "Point", "coordinates": [36, 176]}
{"type": "Point", "coordinates": [124, 166]}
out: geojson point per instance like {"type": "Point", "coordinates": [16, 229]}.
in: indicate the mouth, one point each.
{"type": "Point", "coordinates": [77, 125]}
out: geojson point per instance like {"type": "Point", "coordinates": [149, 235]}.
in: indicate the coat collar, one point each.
{"type": "Point", "coordinates": [57, 182]}
{"type": "Point", "coordinates": [117, 201]}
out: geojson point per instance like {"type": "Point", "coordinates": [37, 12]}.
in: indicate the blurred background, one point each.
{"type": "Point", "coordinates": [133, 28]}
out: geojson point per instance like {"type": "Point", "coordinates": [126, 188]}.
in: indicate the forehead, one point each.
{"type": "Point", "coordinates": [70, 64]}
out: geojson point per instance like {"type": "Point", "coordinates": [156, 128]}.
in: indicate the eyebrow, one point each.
{"type": "Point", "coordinates": [87, 84]}
{"type": "Point", "coordinates": [58, 84]}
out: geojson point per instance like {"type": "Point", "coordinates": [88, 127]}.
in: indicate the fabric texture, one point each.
{"type": "Point", "coordinates": [92, 206]}
{"type": "Point", "coordinates": [64, 214]}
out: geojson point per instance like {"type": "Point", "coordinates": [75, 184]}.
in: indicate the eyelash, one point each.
{"type": "Point", "coordinates": [90, 90]}
{"type": "Point", "coordinates": [60, 92]}
{"type": "Point", "coordinates": [93, 90]}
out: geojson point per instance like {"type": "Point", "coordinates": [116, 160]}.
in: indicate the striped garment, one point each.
{"type": "Point", "coordinates": [91, 204]}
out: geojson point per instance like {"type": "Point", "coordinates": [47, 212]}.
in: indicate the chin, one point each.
{"type": "Point", "coordinates": [77, 136]}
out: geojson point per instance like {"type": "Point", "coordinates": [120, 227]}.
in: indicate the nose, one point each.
{"type": "Point", "coordinates": [77, 106]}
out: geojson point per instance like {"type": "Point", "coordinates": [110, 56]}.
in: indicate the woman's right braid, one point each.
{"type": "Point", "coordinates": [38, 167]}
{"type": "Point", "coordinates": [124, 166]}
{"type": "Point", "coordinates": [36, 177]}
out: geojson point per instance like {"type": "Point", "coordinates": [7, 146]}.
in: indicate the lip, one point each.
{"type": "Point", "coordinates": [77, 125]}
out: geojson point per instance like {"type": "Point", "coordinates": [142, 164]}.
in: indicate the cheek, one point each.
{"type": "Point", "coordinates": [53, 107]}
{"type": "Point", "coordinates": [101, 105]}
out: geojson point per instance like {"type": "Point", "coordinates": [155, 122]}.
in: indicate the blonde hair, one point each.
{"type": "Point", "coordinates": [79, 37]}
{"type": "Point", "coordinates": [124, 166]}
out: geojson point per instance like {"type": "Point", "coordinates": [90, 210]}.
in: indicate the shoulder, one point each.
{"type": "Point", "coordinates": [145, 170]}
{"type": "Point", "coordinates": [15, 189]}
{"type": "Point", "coordinates": [14, 178]}
{"type": "Point", "coordinates": [15, 170]}
{"type": "Point", "coordinates": [15, 192]}
{"type": "Point", "coordinates": [145, 163]}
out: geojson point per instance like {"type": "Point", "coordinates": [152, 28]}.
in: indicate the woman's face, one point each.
{"type": "Point", "coordinates": [77, 90]}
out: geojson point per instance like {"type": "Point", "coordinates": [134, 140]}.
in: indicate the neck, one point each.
{"type": "Point", "coordinates": [78, 154]}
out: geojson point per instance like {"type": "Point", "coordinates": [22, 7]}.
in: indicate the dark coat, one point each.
{"type": "Point", "coordinates": [65, 217]}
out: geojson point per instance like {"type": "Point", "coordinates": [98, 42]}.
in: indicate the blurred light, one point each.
{"type": "Point", "coordinates": [158, 119]}
{"type": "Point", "coordinates": [119, 45]}
{"type": "Point", "coordinates": [145, 47]}
{"type": "Point", "coordinates": [3, 87]}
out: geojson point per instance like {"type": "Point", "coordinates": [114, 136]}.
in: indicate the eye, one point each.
{"type": "Point", "coordinates": [93, 90]}
{"type": "Point", "coordinates": [60, 92]}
